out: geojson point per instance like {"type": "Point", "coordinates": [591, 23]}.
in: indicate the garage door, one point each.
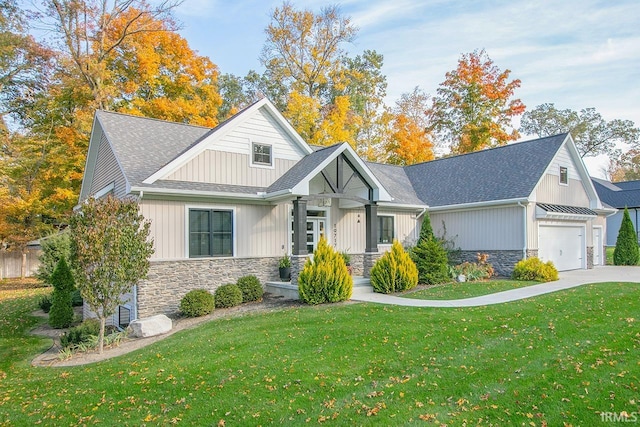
{"type": "Point", "coordinates": [562, 245]}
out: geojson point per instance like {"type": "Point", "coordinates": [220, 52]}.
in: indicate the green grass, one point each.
{"type": "Point", "coordinates": [610, 250]}
{"type": "Point", "coordinates": [558, 358]}
{"type": "Point", "coordinates": [455, 290]}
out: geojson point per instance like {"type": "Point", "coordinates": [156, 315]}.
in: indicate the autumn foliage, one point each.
{"type": "Point", "coordinates": [474, 106]}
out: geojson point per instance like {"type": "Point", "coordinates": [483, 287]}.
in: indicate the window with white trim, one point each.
{"type": "Point", "coordinates": [262, 154]}
{"type": "Point", "coordinates": [210, 233]}
{"type": "Point", "coordinates": [385, 229]}
{"type": "Point", "coordinates": [564, 175]}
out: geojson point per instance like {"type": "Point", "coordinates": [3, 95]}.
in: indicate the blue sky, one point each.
{"type": "Point", "coordinates": [574, 53]}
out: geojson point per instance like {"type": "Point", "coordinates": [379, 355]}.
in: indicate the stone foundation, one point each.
{"type": "Point", "coordinates": [168, 281]}
{"type": "Point", "coordinates": [297, 264]}
{"type": "Point", "coordinates": [369, 259]}
{"type": "Point", "coordinates": [503, 262]}
{"type": "Point", "coordinates": [357, 263]}
{"type": "Point", "coordinates": [589, 257]}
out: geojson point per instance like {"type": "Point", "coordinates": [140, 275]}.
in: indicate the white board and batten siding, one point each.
{"type": "Point", "coordinates": [107, 171]}
{"type": "Point", "coordinates": [228, 160]}
{"type": "Point", "coordinates": [259, 230]}
{"type": "Point", "coordinates": [550, 190]}
{"type": "Point", "coordinates": [498, 228]}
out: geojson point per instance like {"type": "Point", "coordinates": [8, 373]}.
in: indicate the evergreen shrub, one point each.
{"type": "Point", "coordinates": [394, 271]}
{"type": "Point", "coordinates": [228, 295]}
{"type": "Point", "coordinates": [251, 288]}
{"type": "Point", "coordinates": [325, 278]}
{"type": "Point", "coordinates": [534, 269]}
{"type": "Point", "coordinates": [196, 303]}
{"type": "Point", "coordinates": [61, 313]}
{"type": "Point", "coordinates": [81, 333]}
{"type": "Point", "coordinates": [626, 251]}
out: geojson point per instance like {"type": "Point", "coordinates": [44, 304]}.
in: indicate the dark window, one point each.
{"type": "Point", "coordinates": [564, 175]}
{"type": "Point", "coordinates": [210, 233]}
{"type": "Point", "coordinates": [385, 229]}
{"type": "Point", "coordinates": [124, 316]}
{"type": "Point", "coordinates": [262, 154]}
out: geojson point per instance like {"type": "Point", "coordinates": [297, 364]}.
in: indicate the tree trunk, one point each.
{"type": "Point", "coordinates": [103, 321]}
{"type": "Point", "coordinates": [23, 267]}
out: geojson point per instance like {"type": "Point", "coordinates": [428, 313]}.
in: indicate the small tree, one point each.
{"type": "Point", "coordinates": [61, 313]}
{"type": "Point", "coordinates": [430, 256]}
{"type": "Point", "coordinates": [394, 271]}
{"type": "Point", "coordinates": [110, 249]}
{"type": "Point", "coordinates": [626, 251]}
{"type": "Point", "coordinates": [326, 278]}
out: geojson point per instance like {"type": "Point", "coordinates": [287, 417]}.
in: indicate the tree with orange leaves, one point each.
{"type": "Point", "coordinates": [410, 142]}
{"type": "Point", "coordinates": [473, 107]}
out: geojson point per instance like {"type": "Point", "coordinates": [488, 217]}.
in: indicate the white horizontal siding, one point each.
{"type": "Point", "coordinates": [231, 168]}
{"type": "Point", "coordinates": [482, 229]}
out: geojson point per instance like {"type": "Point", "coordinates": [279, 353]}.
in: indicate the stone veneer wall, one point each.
{"type": "Point", "coordinates": [503, 262]}
{"type": "Point", "coordinates": [369, 259]}
{"type": "Point", "coordinates": [357, 263]}
{"type": "Point", "coordinates": [168, 281]}
{"type": "Point", "coordinates": [589, 257]}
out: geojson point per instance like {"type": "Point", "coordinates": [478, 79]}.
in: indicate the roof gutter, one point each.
{"type": "Point", "coordinates": [479, 205]}
{"type": "Point", "coordinates": [176, 192]}
{"type": "Point", "coordinates": [525, 233]}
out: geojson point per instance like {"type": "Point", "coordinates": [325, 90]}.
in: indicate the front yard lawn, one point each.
{"type": "Point", "coordinates": [564, 357]}
{"type": "Point", "coordinates": [455, 290]}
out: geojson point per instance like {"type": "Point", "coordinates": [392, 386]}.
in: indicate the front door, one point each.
{"type": "Point", "coordinates": [316, 228]}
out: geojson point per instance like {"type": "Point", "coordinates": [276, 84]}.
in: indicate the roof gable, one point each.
{"type": "Point", "coordinates": [504, 173]}
{"type": "Point", "coordinates": [613, 195]}
{"type": "Point", "coordinates": [212, 138]}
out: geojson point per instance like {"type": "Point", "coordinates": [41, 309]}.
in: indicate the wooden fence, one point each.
{"type": "Point", "coordinates": [11, 263]}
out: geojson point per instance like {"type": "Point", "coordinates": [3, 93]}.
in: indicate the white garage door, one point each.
{"type": "Point", "coordinates": [562, 245]}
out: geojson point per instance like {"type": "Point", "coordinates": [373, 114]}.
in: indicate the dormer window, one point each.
{"type": "Point", "coordinates": [262, 154]}
{"type": "Point", "coordinates": [564, 175]}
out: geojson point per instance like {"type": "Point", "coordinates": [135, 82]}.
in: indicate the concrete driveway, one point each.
{"type": "Point", "coordinates": [568, 279]}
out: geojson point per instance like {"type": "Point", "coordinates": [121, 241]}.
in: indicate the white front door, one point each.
{"type": "Point", "coordinates": [316, 228]}
{"type": "Point", "coordinates": [562, 245]}
{"type": "Point", "coordinates": [597, 246]}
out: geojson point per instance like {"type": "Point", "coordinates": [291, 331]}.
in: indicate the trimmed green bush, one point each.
{"type": "Point", "coordinates": [431, 260]}
{"type": "Point", "coordinates": [45, 303]}
{"type": "Point", "coordinates": [61, 313]}
{"type": "Point", "coordinates": [81, 333]}
{"type": "Point", "coordinates": [251, 288]}
{"type": "Point", "coordinates": [394, 271]}
{"type": "Point", "coordinates": [196, 303]}
{"type": "Point", "coordinates": [228, 295]}
{"type": "Point", "coordinates": [534, 269]}
{"type": "Point", "coordinates": [325, 278]}
{"type": "Point", "coordinates": [626, 251]}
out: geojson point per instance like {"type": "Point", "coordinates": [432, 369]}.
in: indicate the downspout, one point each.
{"type": "Point", "coordinates": [134, 315]}
{"type": "Point", "coordinates": [524, 222]}
{"type": "Point", "coordinates": [416, 233]}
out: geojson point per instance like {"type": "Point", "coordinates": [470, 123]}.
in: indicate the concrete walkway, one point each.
{"type": "Point", "coordinates": [568, 279]}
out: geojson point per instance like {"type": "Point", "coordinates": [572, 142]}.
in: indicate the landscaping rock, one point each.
{"type": "Point", "coordinates": [150, 326]}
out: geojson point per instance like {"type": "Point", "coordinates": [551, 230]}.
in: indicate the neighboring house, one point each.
{"type": "Point", "coordinates": [619, 195]}
{"type": "Point", "coordinates": [230, 201]}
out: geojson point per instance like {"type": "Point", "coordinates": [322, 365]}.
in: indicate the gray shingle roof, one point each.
{"type": "Point", "coordinates": [613, 194]}
{"type": "Point", "coordinates": [203, 186]}
{"type": "Point", "coordinates": [302, 169]}
{"type": "Point", "coordinates": [144, 145]}
{"type": "Point", "coordinates": [502, 173]}
{"type": "Point", "coordinates": [394, 179]}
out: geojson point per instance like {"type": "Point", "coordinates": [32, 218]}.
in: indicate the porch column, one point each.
{"type": "Point", "coordinates": [299, 227]}
{"type": "Point", "coordinates": [371, 254]}
{"type": "Point", "coordinates": [300, 253]}
{"type": "Point", "coordinates": [371, 230]}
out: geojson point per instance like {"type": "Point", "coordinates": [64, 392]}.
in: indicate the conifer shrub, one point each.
{"type": "Point", "coordinates": [228, 295]}
{"type": "Point", "coordinates": [81, 333]}
{"type": "Point", "coordinates": [61, 313]}
{"type": "Point", "coordinates": [432, 262]}
{"type": "Point", "coordinates": [626, 251]}
{"type": "Point", "coordinates": [76, 298]}
{"type": "Point", "coordinates": [394, 271]}
{"type": "Point", "coordinates": [196, 303]}
{"type": "Point", "coordinates": [54, 247]}
{"type": "Point", "coordinates": [45, 303]}
{"type": "Point", "coordinates": [534, 269]}
{"type": "Point", "coordinates": [251, 288]}
{"type": "Point", "coordinates": [325, 278]}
